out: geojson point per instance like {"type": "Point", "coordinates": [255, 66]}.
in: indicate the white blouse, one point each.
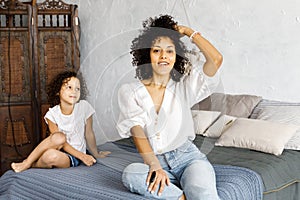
{"type": "Point", "coordinates": [173, 125]}
{"type": "Point", "coordinates": [73, 125]}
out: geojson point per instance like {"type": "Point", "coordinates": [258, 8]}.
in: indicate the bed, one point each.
{"type": "Point", "coordinates": [242, 173]}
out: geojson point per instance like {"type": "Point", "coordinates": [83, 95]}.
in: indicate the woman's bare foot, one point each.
{"type": "Point", "coordinates": [19, 167]}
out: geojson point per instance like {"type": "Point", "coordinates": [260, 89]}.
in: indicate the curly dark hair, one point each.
{"type": "Point", "coordinates": [57, 82]}
{"type": "Point", "coordinates": [162, 26]}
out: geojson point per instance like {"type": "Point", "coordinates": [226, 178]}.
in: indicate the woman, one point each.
{"type": "Point", "coordinates": [156, 112]}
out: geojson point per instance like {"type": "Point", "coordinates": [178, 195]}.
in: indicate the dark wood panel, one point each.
{"type": "Point", "coordinates": [55, 55]}
{"type": "Point", "coordinates": [45, 132]}
{"type": "Point", "coordinates": [15, 68]}
{"type": "Point", "coordinates": [17, 135]}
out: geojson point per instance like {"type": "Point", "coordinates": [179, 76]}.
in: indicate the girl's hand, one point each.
{"type": "Point", "coordinates": [161, 179]}
{"type": "Point", "coordinates": [88, 160]}
{"type": "Point", "coordinates": [102, 154]}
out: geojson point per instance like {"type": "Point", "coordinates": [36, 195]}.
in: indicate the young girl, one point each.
{"type": "Point", "coordinates": [156, 112]}
{"type": "Point", "coordinates": [70, 125]}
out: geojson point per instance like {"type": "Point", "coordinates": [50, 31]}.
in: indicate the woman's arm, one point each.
{"type": "Point", "coordinates": [213, 57]}
{"type": "Point", "coordinates": [91, 140]}
{"type": "Point", "coordinates": [150, 159]}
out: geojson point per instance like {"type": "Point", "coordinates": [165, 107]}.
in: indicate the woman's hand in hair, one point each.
{"type": "Point", "coordinates": [184, 30]}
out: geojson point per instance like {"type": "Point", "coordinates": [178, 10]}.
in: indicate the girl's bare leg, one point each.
{"type": "Point", "coordinates": [52, 158]}
{"type": "Point", "coordinates": [54, 141]}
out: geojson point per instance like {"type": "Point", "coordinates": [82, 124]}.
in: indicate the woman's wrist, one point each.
{"type": "Point", "coordinates": [151, 160]}
{"type": "Point", "coordinates": [189, 31]}
{"type": "Point", "coordinates": [192, 36]}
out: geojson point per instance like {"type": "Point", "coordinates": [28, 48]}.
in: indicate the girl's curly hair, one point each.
{"type": "Point", "coordinates": [58, 81]}
{"type": "Point", "coordinates": [162, 26]}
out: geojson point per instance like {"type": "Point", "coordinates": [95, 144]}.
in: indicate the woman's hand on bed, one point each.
{"type": "Point", "coordinates": [160, 180]}
{"type": "Point", "coordinates": [102, 154]}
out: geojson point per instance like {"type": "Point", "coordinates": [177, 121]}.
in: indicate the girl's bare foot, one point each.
{"type": "Point", "coordinates": [182, 197]}
{"type": "Point", "coordinates": [19, 167]}
{"type": "Point", "coordinates": [103, 154]}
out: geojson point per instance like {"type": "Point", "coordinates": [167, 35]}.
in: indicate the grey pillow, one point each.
{"type": "Point", "coordinates": [228, 104]}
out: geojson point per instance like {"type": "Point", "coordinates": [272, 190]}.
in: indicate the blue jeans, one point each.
{"type": "Point", "coordinates": [188, 169]}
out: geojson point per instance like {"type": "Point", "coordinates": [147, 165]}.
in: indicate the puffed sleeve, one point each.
{"type": "Point", "coordinates": [51, 115]}
{"type": "Point", "coordinates": [87, 109]}
{"type": "Point", "coordinates": [131, 113]}
{"type": "Point", "coordinates": [198, 85]}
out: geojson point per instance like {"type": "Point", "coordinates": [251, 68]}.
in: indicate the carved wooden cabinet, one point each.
{"type": "Point", "coordinates": [37, 40]}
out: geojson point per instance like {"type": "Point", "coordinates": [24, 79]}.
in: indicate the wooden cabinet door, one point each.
{"type": "Point", "coordinates": [18, 134]}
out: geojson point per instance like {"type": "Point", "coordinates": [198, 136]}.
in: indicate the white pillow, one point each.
{"type": "Point", "coordinates": [203, 119]}
{"type": "Point", "coordinates": [259, 135]}
{"type": "Point", "coordinates": [287, 115]}
{"type": "Point", "coordinates": [218, 127]}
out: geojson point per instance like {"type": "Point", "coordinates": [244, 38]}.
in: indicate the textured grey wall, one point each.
{"type": "Point", "coordinates": [259, 40]}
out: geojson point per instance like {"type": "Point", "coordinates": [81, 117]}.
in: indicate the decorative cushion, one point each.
{"type": "Point", "coordinates": [203, 119]}
{"type": "Point", "coordinates": [218, 127]}
{"type": "Point", "coordinates": [283, 114]}
{"type": "Point", "coordinates": [259, 135]}
{"type": "Point", "coordinates": [233, 105]}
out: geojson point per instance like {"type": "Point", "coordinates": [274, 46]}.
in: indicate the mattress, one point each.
{"type": "Point", "coordinates": [103, 180]}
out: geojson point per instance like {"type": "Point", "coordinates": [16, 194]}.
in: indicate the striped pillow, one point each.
{"type": "Point", "coordinates": [287, 114]}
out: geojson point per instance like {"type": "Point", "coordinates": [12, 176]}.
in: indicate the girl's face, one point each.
{"type": "Point", "coordinates": [163, 56]}
{"type": "Point", "coordinates": [70, 91]}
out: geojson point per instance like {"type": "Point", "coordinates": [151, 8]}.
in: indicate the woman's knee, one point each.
{"type": "Point", "coordinates": [134, 176]}
{"type": "Point", "coordinates": [193, 173]}
{"type": "Point", "coordinates": [198, 181]}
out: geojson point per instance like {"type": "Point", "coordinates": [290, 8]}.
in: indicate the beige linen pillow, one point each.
{"type": "Point", "coordinates": [203, 119]}
{"type": "Point", "coordinates": [233, 105]}
{"type": "Point", "coordinates": [284, 114]}
{"type": "Point", "coordinates": [218, 127]}
{"type": "Point", "coordinates": [259, 135]}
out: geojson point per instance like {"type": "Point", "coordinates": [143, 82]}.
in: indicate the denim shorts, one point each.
{"type": "Point", "coordinates": [74, 162]}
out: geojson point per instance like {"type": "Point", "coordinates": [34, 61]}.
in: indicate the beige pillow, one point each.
{"type": "Point", "coordinates": [218, 127]}
{"type": "Point", "coordinates": [203, 119]}
{"type": "Point", "coordinates": [233, 105]}
{"type": "Point", "coordinates": [259, 135]}
{"type": "Point", "coordinates": [284, 114]}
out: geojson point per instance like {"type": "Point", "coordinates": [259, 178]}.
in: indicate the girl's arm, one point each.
{"type": "Point", "coordinates": [150, 159]}
{"type": "Point", "coordinates": [52, 126]}
{"type": "Point", "coordinates": [213, 57]}
{"type": "Point", "coordinates": [91, 140]}
{"type": "Point", "coordinates": [86, 159]}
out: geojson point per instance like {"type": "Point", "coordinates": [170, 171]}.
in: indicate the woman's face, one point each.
{"type": "Point", "coordinates": [163, 56]}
